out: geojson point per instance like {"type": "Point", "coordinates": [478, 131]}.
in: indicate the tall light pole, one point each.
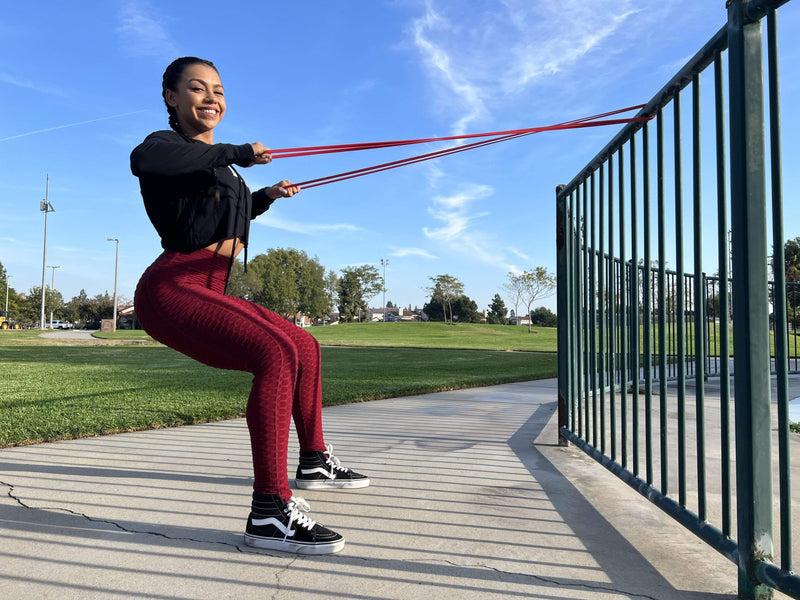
{"type": "Point", "coordinates": [52, 288]}
{"type": "Point", "coordinates": [116, 271]}
{"type": "Point", "coordinates": [45, 207]}
{"type": "Point", "coordinates": [6, 311]}
{"type": "Point", "coordinates": [384, 264]}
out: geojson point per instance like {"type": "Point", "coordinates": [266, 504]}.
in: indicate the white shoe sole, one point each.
{"type": "Point", "coordinates": [331, 484]}
{"type": "Point", "coordinates": [292, 547]}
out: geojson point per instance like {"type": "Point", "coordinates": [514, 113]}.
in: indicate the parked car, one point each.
{"type": "Point", "coordinates": [58, 324]}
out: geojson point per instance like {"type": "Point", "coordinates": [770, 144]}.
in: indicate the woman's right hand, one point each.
{"type": "Point", "coordinates": [262, 155]}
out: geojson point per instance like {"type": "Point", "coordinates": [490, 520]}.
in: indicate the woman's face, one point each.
{"type": "Point", "coordinates": [199, 100]}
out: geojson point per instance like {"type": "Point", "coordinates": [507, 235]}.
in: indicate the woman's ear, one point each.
{"type": "Point", "coordinates": [170, 98]}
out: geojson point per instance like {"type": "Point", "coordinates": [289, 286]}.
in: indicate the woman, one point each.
{"type": "Point", "coordinates": [202, 209]}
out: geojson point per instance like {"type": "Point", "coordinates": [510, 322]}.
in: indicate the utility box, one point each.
{"type": "Point", "coordinates": [107, 325]}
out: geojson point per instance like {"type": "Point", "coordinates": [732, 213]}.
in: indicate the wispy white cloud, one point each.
{"type": "Point", "coordinates": [457, 217]}
{"type": "Point", "coordinates": [143, 32]}
{"type": "Point", "coordinates": [438, 60]}
{"type": "Point", "coordinates": [303, 226]}
{"type": "Point", "coordinates": [554, 41]}
{"type": "Point", "coordinates": [31, 85]}
{"type": "Point", "coordinates": [512, 46]}
{"type": "Point", "coordinates": [521, 255]}
{"type": "Point", "coordinates": [401, 252]}
{"type": "Point", "coordinates": [19, 135]}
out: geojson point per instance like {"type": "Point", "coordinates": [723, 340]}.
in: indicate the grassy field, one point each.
{"type": "Point", "coordinates": [56, 388]}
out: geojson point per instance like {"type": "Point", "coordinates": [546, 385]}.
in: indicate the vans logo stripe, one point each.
{"type": "Point", "coordinates": [320, 470]}
{"type": "Point", "coordinates": [275, 523]}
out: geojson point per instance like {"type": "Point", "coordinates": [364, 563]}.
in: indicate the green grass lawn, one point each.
{"type": "Point", "coordinates": [57, 389]}
{"type": "Point", "coordinates": [469, 336]}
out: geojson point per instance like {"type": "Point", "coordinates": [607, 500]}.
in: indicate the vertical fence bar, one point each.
{"type": "Point", "coordinates": [601, 295]}
{"type": "Point", "coordinates": [612, 310]}
{"type": "Point", "coordinates": [593, 315]}
{"type": "Point", "coordinates": [662, 307]}
{"type": "Point", "coordinates": [699, 296]}
{"type": "Point", "coordinates": [780, 312]}
{"type": "Point", "coordinates": [647, 342]}
{"type": "Point", "coordinates": [680, 300]}
{"type": "Point", "coordinates": [570, 247]}
{"type": "Point", "coordinates": [586, 303]}
{"type": "Point", "coordinates": [634, 312]}
{"type": "Point", "coordinates": [750, 300]}
{"type": "Point", "coordinates": [577, 342]}
{"type": "Point", "coordinates": [562, 299]}
{"type": "Point", "coordinates": [623, 332]}
{"type": "Point", "coordinates": [575, 304]}
{"type": "Point", "coordinates": [724, 300]}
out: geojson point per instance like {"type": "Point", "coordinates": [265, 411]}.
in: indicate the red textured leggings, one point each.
{"type": "Point", "coordinates": [180, 302]}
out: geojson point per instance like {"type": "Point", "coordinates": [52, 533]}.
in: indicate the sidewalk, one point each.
{"type": "Point", "coordinates": [471, 497]}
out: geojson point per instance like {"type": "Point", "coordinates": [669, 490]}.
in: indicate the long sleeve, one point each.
{"type": "Point", "coordinates": [261, 203]}
{"type": "Point", "coordinates": [167, 153]}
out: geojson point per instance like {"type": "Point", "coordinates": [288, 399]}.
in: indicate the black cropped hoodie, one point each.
{"type": "Point", "coordinates": [192, 194]}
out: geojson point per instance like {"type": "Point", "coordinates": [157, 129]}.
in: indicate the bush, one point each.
{"type": "Point", "coordinates": [543, 317]}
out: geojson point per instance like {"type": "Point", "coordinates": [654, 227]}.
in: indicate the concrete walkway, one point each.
{"type": "Point", "coordinates": [471, 497]}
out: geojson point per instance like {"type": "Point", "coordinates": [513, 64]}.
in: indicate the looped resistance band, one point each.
{"type": "Point", "coordinates": [494, 138]}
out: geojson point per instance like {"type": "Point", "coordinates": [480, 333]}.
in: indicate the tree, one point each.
{"type": "Point", "coordinates": [497, 311]}
{"type": "Point", "coordinates": [30, 310]}
{"type": "Point", "coordinates": [463, 310]}
{"type": "Point", "coordinates": [544, 317]}
{"type": "Point", "coordinates": [331, 290]}
{"type": "Point", "coordinates": [285, 280]}
{"type": "Point", "coordinates": [531, 286]}
{"type": "Point", "coordinates": [243, 285]}
{"type": "Point", "coordinates": [14, 301]}
{"type": "Point", "coordinates": [357, 286]}
{"type": "Point", "coordinates": [445, 290]}
{"type": "Point", "coordinates": [513, 288]}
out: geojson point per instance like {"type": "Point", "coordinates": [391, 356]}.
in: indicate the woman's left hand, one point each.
{"type": "Point", "coordinates": [282, 189]}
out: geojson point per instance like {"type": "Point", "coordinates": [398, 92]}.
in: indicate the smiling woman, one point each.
{"type": "Point", "coordinates": [202, 209]}
{"type": "Point", "coordinates": [196, 102]}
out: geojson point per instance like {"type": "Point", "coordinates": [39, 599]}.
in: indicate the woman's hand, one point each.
{"type": "Point", "coordinates": [262, 155]}
{"type": "Point", "coordinates": [282, 189]}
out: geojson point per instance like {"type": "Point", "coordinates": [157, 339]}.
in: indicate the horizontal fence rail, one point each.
{"type": "Point", "coordinates": [651, 347]}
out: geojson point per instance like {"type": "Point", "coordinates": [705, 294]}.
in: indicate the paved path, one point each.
{"type": "Point", "coordinates": [69, 334]}
{"type": "Point", "coordinates": [471, 498]}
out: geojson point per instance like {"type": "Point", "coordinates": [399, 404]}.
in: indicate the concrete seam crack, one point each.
{"type": "Point", "coordinates": [280, 572]}
{"type": "Point", "coordinates": [11, 495]}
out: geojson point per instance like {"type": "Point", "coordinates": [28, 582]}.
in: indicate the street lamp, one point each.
{"type": "Point", "coordinates": [52, 288]}
{"type": "Point", "coordinates": [116, 271]}
{"type": "Point", "coordinates": [45, 207]}
{"type": "Point", "coordinates": [384, 264]}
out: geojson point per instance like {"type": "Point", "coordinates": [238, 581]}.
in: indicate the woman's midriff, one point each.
{"type": "Point", "coordinates": [229, 247]}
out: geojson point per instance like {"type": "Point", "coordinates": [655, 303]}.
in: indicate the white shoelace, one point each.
{"type": "Point", "coordinates": [334, 462]}
{"type": "Point", "coordinates": [297, 506]}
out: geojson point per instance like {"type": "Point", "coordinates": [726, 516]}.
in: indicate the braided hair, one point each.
{"type": "Point", "coordinates": [171, 78]}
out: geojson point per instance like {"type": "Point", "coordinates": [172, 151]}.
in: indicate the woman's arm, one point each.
{"type": "Point", "coordinates": [167, 153]}
{"type": "Point", "coordinates": [263, 198]}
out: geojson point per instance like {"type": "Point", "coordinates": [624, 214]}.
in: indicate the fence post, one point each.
{"type": "Point", "coordinates": [562, 310]}
{"type": "Point", "coordinates": [750, 299]}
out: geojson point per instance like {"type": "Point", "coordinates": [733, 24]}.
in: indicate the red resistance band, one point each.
{"type": "Point", "coordinates": [495, 137]}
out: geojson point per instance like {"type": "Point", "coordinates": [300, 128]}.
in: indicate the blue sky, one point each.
{"type": "Point", "coordinates": [81, 87]}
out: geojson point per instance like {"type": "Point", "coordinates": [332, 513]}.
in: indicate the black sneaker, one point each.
{"type": "Point", "coordinates": [277, 524]}
{"type": "Point", "coordinates": [323, 471]}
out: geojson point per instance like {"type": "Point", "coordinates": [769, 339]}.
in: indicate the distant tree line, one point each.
{"type": "Point", "coordinates": [26, 309]}
{"type": "Point", "coordinates": [292, 283]}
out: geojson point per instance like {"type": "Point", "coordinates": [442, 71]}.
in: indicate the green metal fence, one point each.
{"type": "Point", "coordinates": [647, 353]}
